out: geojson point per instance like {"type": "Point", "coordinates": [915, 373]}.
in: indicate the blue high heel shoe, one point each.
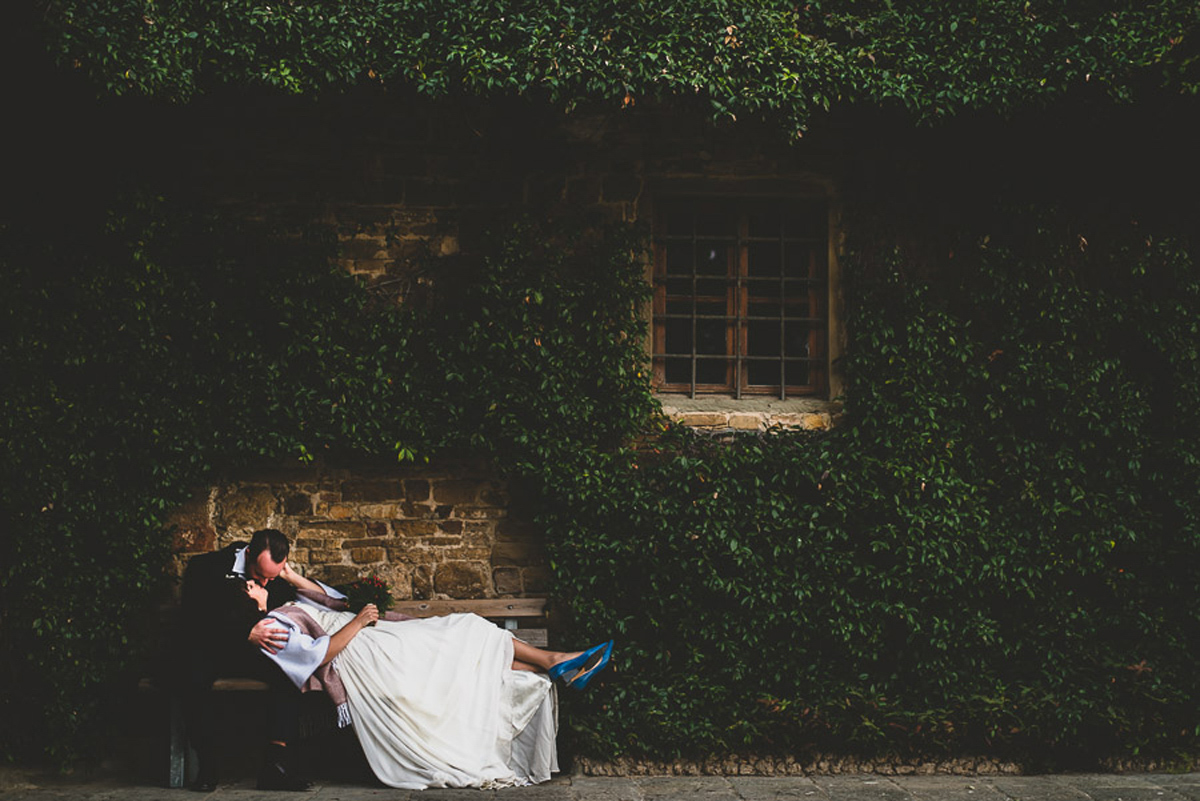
{"type": "Point", "coordinates": [578, 671]}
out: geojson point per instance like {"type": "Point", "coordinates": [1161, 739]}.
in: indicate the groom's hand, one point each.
{"type": "Point", "coordinates": [268, 636]}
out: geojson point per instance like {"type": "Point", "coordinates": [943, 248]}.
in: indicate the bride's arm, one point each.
{"type": "Point", "coordinates": [342, 637]}
{"type": "Point", "coordinates": [298, 581]}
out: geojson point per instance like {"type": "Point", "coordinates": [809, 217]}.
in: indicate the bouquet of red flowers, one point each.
{"type": "Point", "coordinates": [369, 590]}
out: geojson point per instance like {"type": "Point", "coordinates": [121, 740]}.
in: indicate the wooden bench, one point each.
{"type": "Point", "coordinates": [510, 613]}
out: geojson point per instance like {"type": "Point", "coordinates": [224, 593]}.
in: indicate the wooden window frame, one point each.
{"type": "Point", "coordinates": [812, 294]}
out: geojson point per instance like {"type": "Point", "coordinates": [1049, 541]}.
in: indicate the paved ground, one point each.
{"type": "Point", "coordinates": [866, 787]}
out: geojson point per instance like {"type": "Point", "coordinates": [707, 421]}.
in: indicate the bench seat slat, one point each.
{"type": "Point", "coordinates": [485, 607]}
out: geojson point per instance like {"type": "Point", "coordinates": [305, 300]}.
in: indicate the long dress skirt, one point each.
{"type": "Point", "coordinates": [435, 703]}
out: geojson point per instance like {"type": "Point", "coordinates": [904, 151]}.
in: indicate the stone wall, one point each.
{"type": "Point", "coordinates": [449, 530]}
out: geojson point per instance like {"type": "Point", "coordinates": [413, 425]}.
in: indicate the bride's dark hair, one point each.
{"type": "Point", "coordinates": [236, 605]}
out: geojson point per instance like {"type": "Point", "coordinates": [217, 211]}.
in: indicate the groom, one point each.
{"type": "Point", "coordinates": [218, 642]}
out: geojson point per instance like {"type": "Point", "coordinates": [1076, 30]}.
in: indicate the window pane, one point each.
{"type": "Point", "coordinates": [768, 308]}
{"type": "Point", "coordinates": [678, 371]}
{"type": "Point", "coordinates": [799, 260]}
{"type": "Point", "coordinates": [710, 337]}
{"type": "Point", "coordinates": [712, 258]}
{"type": "Point", "coordinates": [798, 373]}
{"type": "Point", "coordinates": [679, 257]}
{"type": "Point", "coordinates": [762, 338]}
{"type": "Point", "coordinates": [711, 371]}
{"type": "Point", "coordinates": [770, 278]}
{"type": "Point", "coordinates": [679, 336]}
{"type": "Point", "coordinates": [762, 373]}
{"type": "Point", "coordinates": [795, 339]}
{"type": "Point", "coordinates": [712, 287]}
{"type": "Point", "coordinates": [762, 259]}
{"type": "Point", "coordinates": [679, 287]}
{"type": "Point", "coordinates": [797, 305]}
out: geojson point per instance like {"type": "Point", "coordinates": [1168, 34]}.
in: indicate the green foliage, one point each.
{"type": "Point", "coordinates": [994, 553]}
{"type": "Point", "coordinates": [147, 348]}
{"type": "Point", "coordinates": [992, 556]}
{"type": "Point", "coordinates": [769, 58]}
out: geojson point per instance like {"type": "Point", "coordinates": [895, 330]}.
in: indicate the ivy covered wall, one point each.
{"type": "Point", "coordinates": [986, 557]}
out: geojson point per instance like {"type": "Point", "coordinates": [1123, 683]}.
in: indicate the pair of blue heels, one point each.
{"type": "Point", "coordinates": [578, 671]}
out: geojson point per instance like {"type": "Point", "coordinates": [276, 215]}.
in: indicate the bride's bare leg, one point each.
{"type": "Point", "coordinates": [536, 658]}
{"type": "Point", "coordinates": [519, 665]}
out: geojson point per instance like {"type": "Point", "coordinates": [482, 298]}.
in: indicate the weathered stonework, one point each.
{"type": "Point", "coordinates": [721, 422]}
{"type": "Point", "coordinates": [443, 531]}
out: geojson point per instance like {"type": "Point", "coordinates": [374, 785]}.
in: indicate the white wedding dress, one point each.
{"type": "Point", "coordinates": [435, 703]}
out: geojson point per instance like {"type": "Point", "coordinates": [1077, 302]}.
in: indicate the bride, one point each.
{"type": "Point", "coordinates": [452, 701]}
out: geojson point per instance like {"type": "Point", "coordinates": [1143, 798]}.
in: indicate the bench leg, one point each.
{"type": "Point", "coordinates": [177, 766]}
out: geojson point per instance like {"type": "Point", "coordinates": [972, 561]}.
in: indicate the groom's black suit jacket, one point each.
{"type": "Point", "coordinates": [214, 642]}
{"type": "Point", "coordinates": [212, 624]}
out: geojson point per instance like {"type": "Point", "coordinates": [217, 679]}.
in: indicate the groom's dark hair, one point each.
{"type": "Point", "coordinates": [270, 539]}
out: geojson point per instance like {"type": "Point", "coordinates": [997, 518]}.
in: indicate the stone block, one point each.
{"type": "Point", "coordinates": [325, 556]}
{"type": "Point", "coordinates": [451, 527]}
{"type": "Point", "coordinates": [461, 579]}
{"type": "Point", "coordinates": [745, 421]}
{"type": "Point", "coordinates": [507, 580]}
{"type": "Point", "coordinates": [378, 529]}
{"type": "Point", "coordinates": [383, 511]}
{"type": "Point", "coordinates": [536, 578]}
{"type": "Point", "coordinates": [422, 582]}
{"type": "Point", "coordinates": [815, 422]}
{"type": "Point", "coordinates": [312, 542]}
{"type": "Point", "coordinates": [361, 247]}
{"type": "Point", "coordinates": [466, 550]}
{"type": "Point", "coordinates": [299, 503]}
{"type": "Point", "coordinates": [455, 491]}
{"type": "Point", "coordinates": [414, 528]}
{"type": "Point", "coordinates": [416, 490]}
{"type": "Point", "coordinates": [809, 421]}
{"type": "Point", "coordinates": [494, 495]}
{"type": "Point", "coordinates": [245, 509]}
{"type": "Point", "coordinates": [510, 529]}
{"type": "Point", "coordinates": [370, 542]}
{"type": "Point", "coordinates": [514, 553]}
{"type": "Point", "coordinates": [366, 556]}
{"type": "Point", "coordinates": [340, 511]}
{"type": "Point", "coordinates": [335, 530]}
{"type": "Point", "coordinates": [702, 419]}
{"type": "Point", "coordinates": [337, 574]}
{"type": "Point", "coordinates": [405, 554]}
{"type": "Point", "coordinates": [373, 490]}
{"type": "Point", "coordinates": [192, 527]}
{"type": "Point", "coordinates": [481, 512]}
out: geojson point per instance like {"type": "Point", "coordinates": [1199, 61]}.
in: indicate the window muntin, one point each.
{"type": "Point", "coordinates": [740, 291]}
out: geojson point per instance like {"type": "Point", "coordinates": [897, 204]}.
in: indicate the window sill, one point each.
{"type": "Point", "coordinates": [718, 414]}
